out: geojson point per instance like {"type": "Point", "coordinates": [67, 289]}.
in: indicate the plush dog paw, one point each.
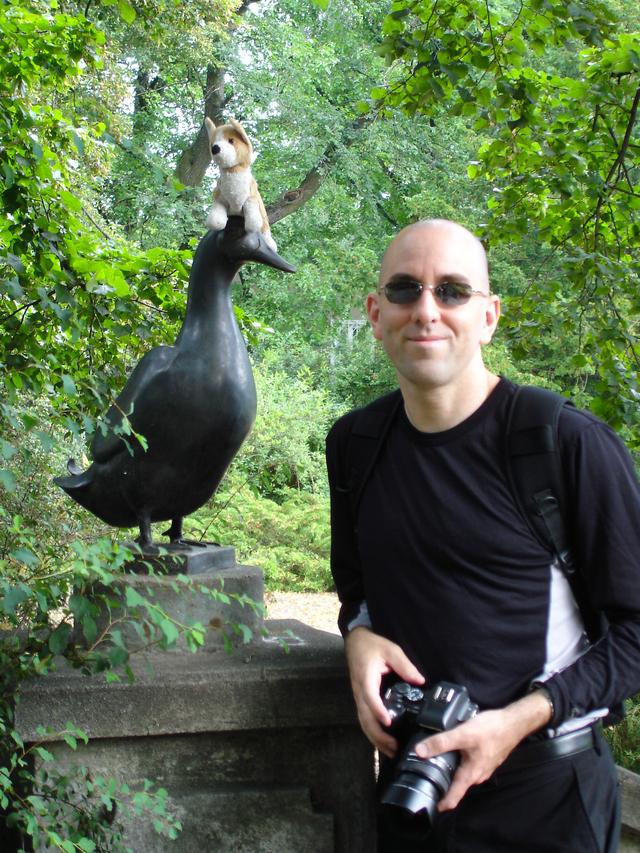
{"type": "Point", "coordinates": [252, 218]}
{"type": "Point", "coordinates": [216, 218]}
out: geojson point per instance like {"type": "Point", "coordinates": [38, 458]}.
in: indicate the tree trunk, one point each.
{"type": "Point", "coordinates": [194, 160]}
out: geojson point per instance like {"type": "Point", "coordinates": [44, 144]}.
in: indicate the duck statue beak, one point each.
{"type": "Point", "coordinates": [246, 246]}
{"type": "Point", "coordinates": [264, 254]}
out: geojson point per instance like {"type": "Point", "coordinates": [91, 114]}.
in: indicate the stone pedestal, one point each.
{"type": "Point", "coordinates": [194, 558]}
{"type": "Point", "coordinates": [217, 593]}
{"type": "Point", "coordinates": [259, 750]}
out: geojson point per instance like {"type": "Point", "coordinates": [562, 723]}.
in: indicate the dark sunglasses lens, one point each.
{"type": "Point", "coordinates": [452, 293]}
{"type": "Point", "coordinates": [403, 292]}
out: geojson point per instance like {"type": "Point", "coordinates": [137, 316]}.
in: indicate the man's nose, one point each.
{"type": "Point", "coordinates": [425, 308]}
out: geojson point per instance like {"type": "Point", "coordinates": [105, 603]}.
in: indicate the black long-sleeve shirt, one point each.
{"type": "Point", "coordinates": [451, 572]}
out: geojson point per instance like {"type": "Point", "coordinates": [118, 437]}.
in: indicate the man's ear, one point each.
{"type": "Point", "coordinates": [491, 317]}
{"type": "Point", "coordinates": [211, 128]}
{"type": "Point", "coordinates": [373, 312]}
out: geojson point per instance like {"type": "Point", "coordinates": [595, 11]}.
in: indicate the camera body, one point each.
{"type": "Point", "coordinates": [410, 800]}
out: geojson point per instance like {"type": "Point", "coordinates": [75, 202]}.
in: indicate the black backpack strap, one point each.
{"type": "Point", "coordinates": [534, 467]}
{"type": "Point", "coordinates": [370, 428]}
{"type": "Point", "coordinates": [536, 478]}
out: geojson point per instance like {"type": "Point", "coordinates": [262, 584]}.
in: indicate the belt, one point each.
{"type": "Point", "coordinates": [530, 753]}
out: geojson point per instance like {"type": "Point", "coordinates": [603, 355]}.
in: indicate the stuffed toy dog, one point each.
{"type": "Point", "coordinates": [236, 192]}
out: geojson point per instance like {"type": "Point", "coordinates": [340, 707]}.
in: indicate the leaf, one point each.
{"type": "Point", "coordinates": [127, 12]}
{"type": "Point", "coordinates": [133, 598]}
{"type": "Point", "coordinates": [70, 740]}
{"type": "Point", "coordinates": [71, 201]}
{"type": "Point", "coordinates": [169, 630]}
{"type": "Point", "coordinates": [245, 632]}
{"type": "Point", "coordinates": [7, 480]}
{"type": "Point", "coordinates": [59, 638]}
{"type": "Point", "coordinates": [69, 385]}
{"type": "Point", "coordinates": [43, 753]}
{"type": "Point", "coordinates": [25, 556]}
{"type": "Point", "coordinates": [15, 262]}
{"type": "Point", "coordinates": [78, 142]}
{"type": "Point", "coordinates": [14, 597]}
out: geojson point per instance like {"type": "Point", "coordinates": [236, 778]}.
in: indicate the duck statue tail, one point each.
{"type": "Point", "coordinates": [77, 479]}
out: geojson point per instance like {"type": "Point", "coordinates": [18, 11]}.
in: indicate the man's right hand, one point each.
{"type": "Point", "coordinates": [370, 657]}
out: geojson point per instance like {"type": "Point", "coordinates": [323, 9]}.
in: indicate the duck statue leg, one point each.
{"type": "Point", "coordinates": [176, 538]}
{"type": "Point", "coordinates": [175, 531]}
{"type": "Point", "coordinates": [146, 538]}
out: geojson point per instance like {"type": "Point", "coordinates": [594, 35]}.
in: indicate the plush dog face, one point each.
{"type": "Point", "coordinates": [229, 144]}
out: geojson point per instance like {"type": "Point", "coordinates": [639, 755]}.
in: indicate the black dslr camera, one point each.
{"type": "Point", "coordinates": [410, 801]}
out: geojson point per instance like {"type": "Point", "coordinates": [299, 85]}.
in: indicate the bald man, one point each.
{"type": "Point", "coordinates": [440, 578]}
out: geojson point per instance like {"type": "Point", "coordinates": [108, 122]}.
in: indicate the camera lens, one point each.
{"type": "Point", "coordinates": [410, 802]}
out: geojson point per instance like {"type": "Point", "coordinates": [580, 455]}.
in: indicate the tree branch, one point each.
{"type": "Point", "coordinates": [292, 200]}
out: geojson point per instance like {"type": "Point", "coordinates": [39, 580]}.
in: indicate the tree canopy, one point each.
{"type": "Point", "coordinates": [560, 154]}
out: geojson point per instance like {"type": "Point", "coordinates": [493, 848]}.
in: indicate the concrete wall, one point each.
{"type": "Point", "coordinates": [630, 795]}
{"type": "Point", "coordinates": [260, 751]}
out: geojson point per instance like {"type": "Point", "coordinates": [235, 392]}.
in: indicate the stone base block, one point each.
{"type": "Point", "coordinates": [185, 558]}
{"type": "Point", "coordinates": [220, 599]}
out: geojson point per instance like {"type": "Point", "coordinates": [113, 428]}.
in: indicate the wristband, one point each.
{"type": "Point", "coordinates": [538, 687]}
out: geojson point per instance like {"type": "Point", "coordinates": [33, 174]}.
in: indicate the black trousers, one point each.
{"type": "Point", "coordinates": [566, 805]}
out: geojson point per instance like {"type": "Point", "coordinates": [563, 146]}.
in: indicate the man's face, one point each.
{"type": "Point", "coordinates": [432, 345]}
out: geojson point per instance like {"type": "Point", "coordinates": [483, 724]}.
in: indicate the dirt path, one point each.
{"type": "Point", "coordinates": [317, 609]}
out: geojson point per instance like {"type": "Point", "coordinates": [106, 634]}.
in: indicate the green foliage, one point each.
{"type": "Point", "coordinates": [49, 611]}
{"type": "Point", "coordinates": [70, 810]}
{"type": "Point", "coordinates": [73, 303]}
{"type": "Point", "coordinates": [560, 155]}
{"type": "Point", "coordinates": [625, 737]}
{"type": "Point", "coordinates": [76, 307]}
{"type": "Point", "coordinates": [289, 540]}
{"type": "Point", "coordinates": [285, 449]}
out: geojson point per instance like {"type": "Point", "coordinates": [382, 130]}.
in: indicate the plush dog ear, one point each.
{"type": "Point", "coordinates": [211, 128]}
{"type": "Point", "coordinates": [239, 129]}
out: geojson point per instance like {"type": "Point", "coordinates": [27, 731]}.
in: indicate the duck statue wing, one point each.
{"type": "Point", "coordinates": [130, 411]}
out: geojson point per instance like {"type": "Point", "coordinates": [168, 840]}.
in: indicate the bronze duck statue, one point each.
{"type": "Point", "coordinates": [194, 403]}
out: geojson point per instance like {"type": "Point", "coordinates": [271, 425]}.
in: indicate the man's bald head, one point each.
{"type": "Point", "coordinates": [436, 232]}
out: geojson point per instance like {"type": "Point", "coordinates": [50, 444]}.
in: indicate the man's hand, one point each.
{"type": "Point", "coordinates": [370, 657]}
{"type": "Point", "coordinates": [485, 741]}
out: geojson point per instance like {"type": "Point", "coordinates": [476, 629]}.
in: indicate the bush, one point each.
{"type": "Point", "coordinates": [624, 738]}
{"type": "Point", "coordinates": [285, 449]}
{"type": "Point", "coordinates": [289, 539]}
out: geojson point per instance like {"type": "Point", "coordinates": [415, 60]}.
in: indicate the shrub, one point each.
{"type": "Point", "coordinates": [289, 540]}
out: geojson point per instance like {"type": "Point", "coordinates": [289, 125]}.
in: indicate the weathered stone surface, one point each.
{"type": "Point", "coordinates": [260, 750]}
{"type": "Point", "coordinates": [257, 686]}
{"type": "Point", "coordinates": [250, 821]}
{"type": "Point", "coordinates": [190, 559]}
{"type": "Point", "coordinates": [630, 795]}
{"type": "Point", "coordinates": [199, 604]}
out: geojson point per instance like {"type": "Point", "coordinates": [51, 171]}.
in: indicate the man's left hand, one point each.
{"type": "Point", "coordinates": [485, 741]}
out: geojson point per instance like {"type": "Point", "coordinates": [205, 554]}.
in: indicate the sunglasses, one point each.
{"type": "Point", "coordinates": [449, 294]}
